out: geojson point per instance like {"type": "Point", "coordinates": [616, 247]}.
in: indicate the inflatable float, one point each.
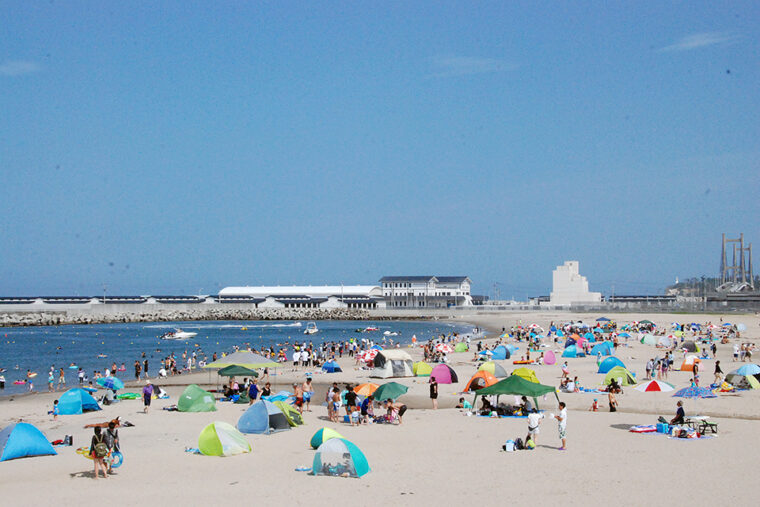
{"type": "Point", "coordinates": [522, 362]}
{"type": "Point", "coordinates": [114, 458]}
{"type": "Point", "coordinates": [20, 382]}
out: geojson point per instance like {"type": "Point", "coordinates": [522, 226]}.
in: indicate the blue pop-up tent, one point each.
{"type": "Point", "coordinates": [605, 348]}
{"type": "Point", "coordinates": [263, 417]}
{"type": "Point", "coordinates": [76, 401]}
{"type": "Point", "coordinates": [21, 440]}
{"type": "Point", "coordinates": [501, 352]}
{"type": "Point", "coordinates": [573, 351]}
{"type": "Point", "coordinates": [609, 363]}
{"type": "Point", "coordinates": [331, 367]}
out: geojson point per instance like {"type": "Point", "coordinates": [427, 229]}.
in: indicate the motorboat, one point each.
{"type": "Point", "coordinates": [178, 334]}
{"type": "Point", "coordinates": [311, 328]}
{"type": "Point", "coordinates": [390, 333]}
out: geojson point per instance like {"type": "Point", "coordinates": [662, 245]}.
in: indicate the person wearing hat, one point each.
{"type": "Point", "coordinates": [147, 395]}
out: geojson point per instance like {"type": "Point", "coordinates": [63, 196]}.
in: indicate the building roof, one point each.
{"type": "Point", "coordinates": [318, 291]}
{"type": "Point", "coordinates": [453, 279]}
{"type": "Point", "coordinates": [407, 279]}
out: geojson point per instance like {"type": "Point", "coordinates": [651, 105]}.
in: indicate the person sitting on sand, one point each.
{"type": "Point", "coordinates": [680, 415]}
{"type": "Point", "coordinates": [463, 403]}
{"type": "Point", "coordinates": [395, 410]}
{"type": "Point", "coordinates": [594, 406]}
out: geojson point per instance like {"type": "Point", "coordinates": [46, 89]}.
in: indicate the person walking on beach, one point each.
{"type": "Point", "coordinates": [562, 424]}
{"type": "Point", "coordinates": [61, 379]}
{"type": "Point", "coordinates": [98, 452]}
{"type": "Point", "coordinates": [534, 421]}
{"type": "Point", "coordinates": [718, 373]}
{"type": "Point", "coordinates": [434, 392]}
{"type": "Point", "coordinates": [147, 395]}
{"type": "Point", "coordinates": [298, 391]}
{"type": "Point", "coordinates": [253, 392]}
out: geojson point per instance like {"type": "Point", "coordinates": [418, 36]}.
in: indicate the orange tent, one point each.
{"type": "Point", "coordinates": [688, 363]}
{"type": "Point", "coordinates": [480, 380]}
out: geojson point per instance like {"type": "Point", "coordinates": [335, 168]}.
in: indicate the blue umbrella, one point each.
{"type": "Point", "coordinates": [110, 383]}
{"type": "Point", "coordinates": [748, 369]}
{"type": "Point", "coordinates": [695, 392]}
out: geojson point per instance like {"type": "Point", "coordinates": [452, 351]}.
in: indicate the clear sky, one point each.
{"type": "Point", "coordinates": [180, 147]}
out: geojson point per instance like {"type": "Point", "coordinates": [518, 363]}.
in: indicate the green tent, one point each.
{"type": "Point", "coordinates": [460, 347]}
{"type": "Point", "coordinates": [236, 370]}
{"type": "Point", "coordinates": [195, 399]}
{"type": "Point", "coordinates": [515, 384]}
{"type": "Point", "coordinates": [623, 376]}
{"type": "Point", "coordinates": [390, 390]}
{"type": "Point", "coordinates": [291, 414]}
{"type": "Point", "coordinates": [222, 439]}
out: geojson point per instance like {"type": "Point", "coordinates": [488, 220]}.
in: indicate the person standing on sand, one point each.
{"type": "Point", "coordinates": [612, 401]}
{"type": "Point", "coordinates": [434, 392]}
{"type": "Point", "coordinates": [147, 395]}
{"type": "Point", "coordinates": [308, 392]}
{"type": "Point", "coordinates": [534, 421]}
{"type": "Point", "coordinates": [718, 373]}
{"type": "Point", "coordinates": [562, 424]}
{"type": "Point", "coordinates": [696, 373]}
{"type": "Point", "coordinates": [145, 367]}
{"type": "Point", "coordinates": [98, 462]}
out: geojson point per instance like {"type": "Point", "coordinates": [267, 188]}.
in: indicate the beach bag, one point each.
{"type": "Point", "coordinates": [519, 446]}
{"type": "Point", "coordinates": [100, 449]}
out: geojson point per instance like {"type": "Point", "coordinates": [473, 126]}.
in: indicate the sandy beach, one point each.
{"type": "Point", "coordinates": [433, 456]}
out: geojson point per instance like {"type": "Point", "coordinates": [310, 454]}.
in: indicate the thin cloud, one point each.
{"type": "Point", "coordinates": [18, 68]}
{"type": "Point", "coordinates": [447, 66]}
{"type": "Point", "coordinates": [699, 40]}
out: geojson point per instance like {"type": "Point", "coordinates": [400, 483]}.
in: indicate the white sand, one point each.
{"type": "Point", "coordinates": [434, 456]}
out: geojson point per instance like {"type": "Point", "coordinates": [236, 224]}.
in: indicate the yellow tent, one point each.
{"type": "Point", "coordinates": [421, 369]}
{"type": "Point", "coordinates": [527, 374]}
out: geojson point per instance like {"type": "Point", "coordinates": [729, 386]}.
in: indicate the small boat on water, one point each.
{"type": "Point", "coordinates": [311, 328]}
{"type": "Point", "coordinates": [370, 328]}
{"type": "Point", "coordinates": [177, 334]}
{"type": "Point", "coordinates": [390, 333]}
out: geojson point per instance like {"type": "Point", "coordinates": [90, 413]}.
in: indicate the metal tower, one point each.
{"type": "Point", "coordinates": [740, 268]}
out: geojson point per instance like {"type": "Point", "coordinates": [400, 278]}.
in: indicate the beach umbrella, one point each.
{"type": "Point", "coordinates": [694, 392]}
{"type": "Point", "coordinates": [654, 386]}
{"type": "Point", "coordinates": [624, 335]}
{"type": "Point", "coordinates": [366, 389]}
{"type": "Point", "coordinates": [444, 348]}
{"type": "Point", "coordinates": [390, 390]}
{"type": "Point", "coordinates": [747, 369]}
{"type": "Point", "coordinates": [110, 383]}
{"type": "Point", "coordinates": [602, 319]}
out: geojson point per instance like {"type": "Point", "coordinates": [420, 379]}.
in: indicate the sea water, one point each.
{"type": "Point", "coordinates": [38, 348]}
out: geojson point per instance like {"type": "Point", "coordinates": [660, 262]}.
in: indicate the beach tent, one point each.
{"type": "Point", "coordinates": [748, 369]}
{"type": "Point", "coordinates": [570, 341]}
{"type": "Point", "coordinates": [279, 396]}
{"type": "Point", "coordinates": [244, 358]}
{"type": "Point", "coordinates": [654, 386]}
{"type": "Point", "coordinates": [237, 371]}
{"type": "Point", "coordinates": [290, 412]}
{"type": "Point", "coordinates": [512, 349]}
{"type": "Point", "coordinates": [323, 435]}
{"type": "Point", "coordinates": [648, 339]}
{"type": "Point", "coordinates": [392, 363]}
{"type": "Point", "coordinates": [517, 385]}
{"type": "Point", "coordinates": [222, 439]}
{"type": "Point", "coordinates": [623, 376]}
{"type": "Point", "coordinates": [690, 346]}
{"type": "Point", "coordinates": [494, 369]}
{"type": "Point", "coordinates": [76, 401]}
{"type": "Point", "coordinates": [743, 381]}
{"type": "Point", "coordinates": [480, 380]}
{"type": "Point", "coordinates": [340, 458]}
{"type": "Point", "coordinates": [501, 352]}
{"type": "Point", "coordinates": [573, 351]}
{"type": "Point", "coordinates": [527, 374]}
{"type": "Point", "coordinates": [23, 440]}
{"type": "Point", "coordinates": [390, 390]}
{"type": "Point", "coordinates": [460, 347]}
{"type": "Point", "coordinates": [421, 369]}
{"type": "Point", "coordinates": [688, 363]}
{"type": "Point", "coordinates": [549, 358]}
{"type": "Point", "coordinates": [664, 341]}
{"type": "Point", "coordinates": [604, 348]}
{"type": "Point", "coordinates": [609, 363]}
{"type": "Point", "coordinates": [444, 374]}
{"type": "Point", "coordinates": [331, 367]}
{"type": "Point", "coordinates": [263, 417]}
{"type": "Point", "coordinates": [195, 399]}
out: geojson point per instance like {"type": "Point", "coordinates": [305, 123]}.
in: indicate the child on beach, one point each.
{"type": "Point", "coordinates": [594, 406]}
{"type": "Point", "coordinates": [355, 416]}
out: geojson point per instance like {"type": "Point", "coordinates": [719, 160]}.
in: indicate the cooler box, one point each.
{"type": "Point", "coordinates": [663, 428]}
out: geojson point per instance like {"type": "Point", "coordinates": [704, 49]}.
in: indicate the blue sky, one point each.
{"type": "Point", "coordinates": [177, 148]}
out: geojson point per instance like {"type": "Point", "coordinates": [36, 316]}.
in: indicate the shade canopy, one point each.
{"type": "Point", "coordinates": [244, 358]}
{"type": "Point", "coordinates": [110, 383]}
{"type": "Point", "coordinates": [516, 385]}
{"type": "Point", "coordinates": [236, 370]}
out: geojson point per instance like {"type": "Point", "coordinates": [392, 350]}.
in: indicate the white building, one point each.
{"type": "Point", "coordinates": [570, 288]}
{"type": "Point", "coordinates": [306, 296]}
{"type": "Point", "coordinates": [426, 291]}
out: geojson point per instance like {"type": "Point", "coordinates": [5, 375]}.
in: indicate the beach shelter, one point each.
{"type": "Point", "coordinates": [340, 458]}
{"type": "Point", "coordinates": [512, 349]}
{"type": "Point", "coordinates": [480, 380]}
{"type": "Point", "coordinates": [748, 369]}
{"type": "Point", "coordinates": [290, 412]}
{"type": "Point", "coordinates": [665, 341]}
{"type": "Point", "coordinates": [444, 374]}
{"type": "Point", "coordinates": [604, 348]}
{"type": "Point", "coordinates": [743, 381]}
{"type": "Point", "coordinates": [109, 382]}
{"type": "Point", "coordinates": [602, 319]}
{"type": "Point", "coordinates": [654, 386]}
{"type": "Point", "coordinates": [527, 374]}
{"type": "Point", "coordinates": [263, 417]}
{"type": "Point", "coordinates": [501, 352]}
{"type": "Point", "coordinates": [609, 363]}
{"type": "Point", "coordinates": [23, 440]}
{"type": "Point", "coordinates": [323, 435]}
{"type": "Point", "coordinates": [279, 396]}
{"type": "Point", "coordinates": [331, 367]}
{"type": "Point", "coordinates": [688, 363]}
{"type": "Point", "coordinates": [494, 369]}
{"type": "Point", "coordinates": [366, 389]}
{"type": "Point", "coordinates": [570, 341]}
{"type": "Point", "coordinates": [550, 358]}
{"type": "Point", "coordinates": [392, 363]}
{"type": "Point", "coordinates": [244, 358]}
{"type": "Point", "coordinates": [195, 399]}
{"type": "Point", "coordinates": [648, 339]}
{"type": "Point", "coordinates": [573, 351]}
{"type": "Point", "coordinates": [237, 371]}
{"type": "Point", "coordinates": [517, 385]}
{"type": "Point", "coordinates": [623, 376]}
{"type": "Point", "coordinates": [222, 439]}
{"type": "Point", "coordinates": [390, 390]}
{"type": "Point", "coordinates": [460, 347]}
{"type": "Point", "coordinates": [690, 346]}
{"type": "Point", "coordinates": [76, 401]}
{"type": "Point", "coordinates": [421, 369]}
